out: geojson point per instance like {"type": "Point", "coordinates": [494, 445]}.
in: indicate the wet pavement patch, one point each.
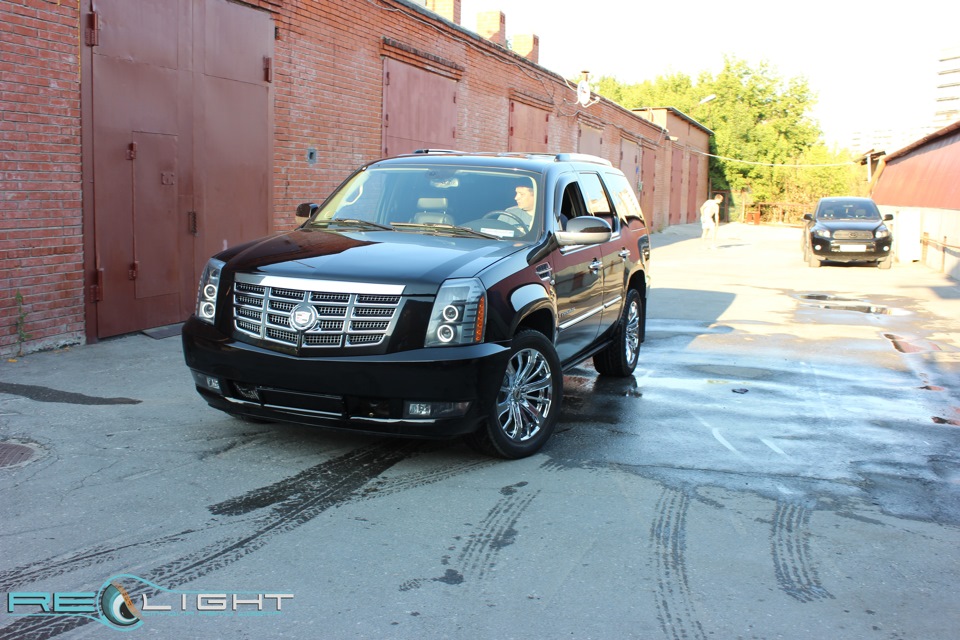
{"type": "Point", "coordinates": [730, 371]}
{"type": "Point", "coordinates": [46, 394]}
{"type": "Point", "coordinates": [837, 303]}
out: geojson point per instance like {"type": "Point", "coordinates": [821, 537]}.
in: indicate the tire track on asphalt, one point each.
{"type": "Point", "coordinates": [328, 484]}
{"type": "Point", "coordinates": [793, 564]}
{"type": "Point", "coordinates": [676, 610]}
{"type": "Point", "coordinates": [479, 553]}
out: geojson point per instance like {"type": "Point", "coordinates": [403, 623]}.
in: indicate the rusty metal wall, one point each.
{"type": "Point", "coordinates": [926, 176]}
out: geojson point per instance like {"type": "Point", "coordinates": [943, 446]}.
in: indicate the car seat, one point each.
{"type": "Point", "coordinates": [432, 211]}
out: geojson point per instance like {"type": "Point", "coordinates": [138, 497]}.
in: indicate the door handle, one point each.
{"type": "Point", "coordinates": [595, 265]}
{"type": "Point", "coordinates": [624, 254]}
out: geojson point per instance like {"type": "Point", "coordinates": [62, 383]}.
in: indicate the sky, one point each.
{"type": "Point", "coordinates": [872, 65]}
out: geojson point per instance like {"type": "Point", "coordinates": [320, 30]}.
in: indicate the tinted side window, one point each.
{"type": "Point", "coordinates": [624, 199]}
{"type": "Point", "coordinates": [571, 204]}
{"type": "Point", "coordinates": [597, 202]}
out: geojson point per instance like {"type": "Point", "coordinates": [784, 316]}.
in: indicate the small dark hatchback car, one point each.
{"type": "Point", "coordinates": [847, 229]}
{"type": "Point", "coordinates": [437, 294]}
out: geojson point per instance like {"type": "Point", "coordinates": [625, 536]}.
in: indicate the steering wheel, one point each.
{"type": "Point", "coordinates": [514, 217]}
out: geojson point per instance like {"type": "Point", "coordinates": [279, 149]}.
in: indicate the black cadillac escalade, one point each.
{"type": "Point", "coordinates": [435, 294]}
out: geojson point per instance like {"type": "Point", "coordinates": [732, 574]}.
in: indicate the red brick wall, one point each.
{"type": "Point", "coordinates": [328, 97]}
{"type": "Point", "coordinates": [328, 90]}
{"type": "Point", "coordinates": [40, 203]}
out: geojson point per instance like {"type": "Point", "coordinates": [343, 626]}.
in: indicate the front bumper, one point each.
{"type": "Point", "coordinates": [365, 393]}
{"type": "Point", "coordinates": [850, 250]}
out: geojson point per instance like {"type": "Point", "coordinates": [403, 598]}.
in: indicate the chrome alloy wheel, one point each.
{"type": "Point", "coordinates": [526, 395]}
{"type": "Point", "coordinates": [631, 342]}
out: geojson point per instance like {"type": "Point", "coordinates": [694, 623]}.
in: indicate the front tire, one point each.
{"type": "Point", "coordinates": [886, 263]}
{"type": "Point", "coordinates": [524, 413]}
{"type": "Point", "coordinates": [812, 259]}
{"type": "Point", "coordinates": [621, 357]}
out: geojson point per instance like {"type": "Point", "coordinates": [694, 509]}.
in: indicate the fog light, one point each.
{"type": "Point", "coordinates": [816, 247]}
{"type": "Point", "coordinates": [207, 382]}
{"type": "Point", "coordinates": [422, 410]}
{"type": "Point", "coordinates": [886, 248]}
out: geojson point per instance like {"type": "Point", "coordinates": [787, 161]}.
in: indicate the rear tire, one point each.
{"type": "Point", "coordinates": [621, 357]}
{"type": "Point", "coordinates": [524, 413]}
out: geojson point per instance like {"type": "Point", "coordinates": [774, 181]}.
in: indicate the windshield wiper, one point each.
{"type": "Point", "coordinates": [350, 222]}
{"type": "Point", "coordinates": [445, 228]}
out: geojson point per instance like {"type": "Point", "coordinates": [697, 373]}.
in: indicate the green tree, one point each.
{"type": "Point", "coordinates": [763, 136]}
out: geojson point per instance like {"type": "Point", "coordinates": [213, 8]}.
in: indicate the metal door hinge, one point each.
{"type": "Point", "coordinates": [132, 151]}
{"type": "Point", "coordinates": [134, 270]}
{"type": "Point", "coordinates": [95, 290]}
{"type": "Point", "coordinates": [91, 35]}
{"type": "Point", "coordinates": [268, 69]}
{"type": "Point", "coordinates": [192, 222]}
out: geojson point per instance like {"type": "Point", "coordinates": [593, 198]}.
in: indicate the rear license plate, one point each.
{"type": "Point", "coordinates": [853, 247]}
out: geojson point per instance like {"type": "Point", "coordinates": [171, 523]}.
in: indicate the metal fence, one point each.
{"type": "Point", "coordinates": [789, 213]}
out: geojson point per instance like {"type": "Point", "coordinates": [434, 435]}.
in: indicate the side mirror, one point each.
{"type": "Point", "coordinates": [887, 217]}
{"type": "Point", "coordinates": [585, 230]}
{"type": "Point", "coordinates": [305, 210]}
{"type": "Point", "coordinates": [808, 216]}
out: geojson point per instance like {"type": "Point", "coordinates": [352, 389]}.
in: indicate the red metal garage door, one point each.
{"type": "Point", "coordinates": [591, 140]}
{"type": "Point", "coordinates": [178, 107]}
{"type": "Point", "coordinates": [419, 109]}
{"type": "Point", "coordinates": [648, 175]}
{"type": "Point", "coordinates": [529, 127]}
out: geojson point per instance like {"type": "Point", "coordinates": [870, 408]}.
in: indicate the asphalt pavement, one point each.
{"type": "Point", "coordinates": [783, 464]}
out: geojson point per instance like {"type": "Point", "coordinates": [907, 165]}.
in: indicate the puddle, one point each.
{"type": "Point", "coordinates": [836, 303]}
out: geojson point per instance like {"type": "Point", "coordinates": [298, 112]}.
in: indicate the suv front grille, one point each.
{"type": "Point", "coordinates": [850, 234]}
{"type": "Point", "coordinates": [263, 308]}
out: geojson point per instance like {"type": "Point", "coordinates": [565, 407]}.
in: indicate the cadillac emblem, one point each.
{"type": "Point", "coordinates": [303, 317]}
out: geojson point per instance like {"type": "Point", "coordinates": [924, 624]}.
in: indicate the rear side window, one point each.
{"type": "Point", "coordinates": [597, 202]}
{"type": "Point", "coordinates": [624, 199]}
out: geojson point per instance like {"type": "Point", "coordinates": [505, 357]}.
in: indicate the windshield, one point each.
{"type": "Point", "coordinates": [848, 211]}
{"type": "Point", "coordinates": [431, 199]}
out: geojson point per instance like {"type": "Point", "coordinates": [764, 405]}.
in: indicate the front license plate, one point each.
{"type": "Point", "coordinates": [853, 247]}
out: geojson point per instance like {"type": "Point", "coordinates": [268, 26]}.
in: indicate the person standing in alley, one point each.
{"type": "Point", "coordinates": [710, 218]}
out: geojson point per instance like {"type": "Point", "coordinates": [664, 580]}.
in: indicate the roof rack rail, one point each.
{"type": "Point", "coordinates": [582, 157]}
{"type": "Point", "coordinates": [427, 151]}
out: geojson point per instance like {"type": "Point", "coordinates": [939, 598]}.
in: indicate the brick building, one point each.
{"type": "Point", "coordinates": [138, 138]}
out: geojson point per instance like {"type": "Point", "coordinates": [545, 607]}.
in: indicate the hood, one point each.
{"type": "Point", "coordinates": [419, 261]}
{"type": "Point", "coordinates": [853, 225]}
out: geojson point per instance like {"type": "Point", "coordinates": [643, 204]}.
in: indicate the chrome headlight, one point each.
{"type": "Point", "coordinates": [881, 232]}
{"type": "Point", "coordinates": [459, 314]}
{"type": "Point", "coordinates": [209, 286]}
{"type": "Point", "coordinates": [821, 232]}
